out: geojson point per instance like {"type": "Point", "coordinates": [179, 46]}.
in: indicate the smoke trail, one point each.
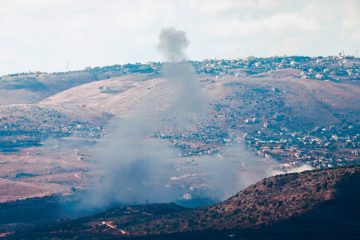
{"type": "Point", "coordinates": [137, 167]}
{"type": "Point", "coordinates": [172, 44]}
{"type": "Point", "coordinates": [238, 168]}
{"type": "Point", "coordinates": [189, 103]}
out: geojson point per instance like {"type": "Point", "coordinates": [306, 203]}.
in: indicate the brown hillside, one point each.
{"type": "Point", "coordinates": [316, 203]}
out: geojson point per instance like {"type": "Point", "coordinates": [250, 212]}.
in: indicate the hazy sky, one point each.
{"type": "Point", "coordinates": [43, 34]}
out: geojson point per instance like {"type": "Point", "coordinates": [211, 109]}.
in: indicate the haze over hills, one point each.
{"type": "Point", "coordinates": [219, 120]}
{"type": "Point", "coordinates": [266, 100]}
{"type": "Point", "coordinates": [266, 116]}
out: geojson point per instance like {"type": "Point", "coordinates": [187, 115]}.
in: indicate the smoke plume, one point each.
{"type": "Point", "coordinates": [189, 102]}
{"type": "Point", "coordinates": [136, 167]}
{"type": "Point", "coordinates": [172, 44]}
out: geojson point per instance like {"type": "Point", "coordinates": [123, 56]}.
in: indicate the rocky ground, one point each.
{"type": "Point", "coordinates": [320, 203]}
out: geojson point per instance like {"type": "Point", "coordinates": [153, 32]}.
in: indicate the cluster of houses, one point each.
{"type": "Point", "coordinates": [21, 130]}
{"type": "Point", "coordinates": [206, 140]}
{"type": "Point", "coordinates": [322, 147]}
{"type": "Point", "coordinates": [332, 68]}
{"type": "Point", "coordinates": [259, 117]}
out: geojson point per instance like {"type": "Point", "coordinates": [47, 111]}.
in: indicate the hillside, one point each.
{"type": "Point", "coordinates": [274, 107]}
{"type": "Point", "coordinates": [36, 86]}
{"type": "Point", "coordinates": [321, 203]}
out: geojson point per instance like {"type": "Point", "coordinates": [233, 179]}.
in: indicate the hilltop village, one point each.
{"type": "Point", "coordinates": [261, 115]}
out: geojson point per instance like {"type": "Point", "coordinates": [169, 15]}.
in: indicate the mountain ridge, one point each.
{"type": "Point", "coordinates": [295, 201]}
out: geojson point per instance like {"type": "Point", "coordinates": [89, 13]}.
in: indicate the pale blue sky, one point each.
{"type": "Point", "coordinates": [43, 34]}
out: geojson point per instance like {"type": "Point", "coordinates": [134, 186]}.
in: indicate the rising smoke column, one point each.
{"type": "Point", "coordinates": [172, 44]}
{"type": "Point", "coordinates": [189, 102]}
{"type": "Point", "coordinates": [137, 167]}
{"type": "Point", "coordinates": [225, 176]}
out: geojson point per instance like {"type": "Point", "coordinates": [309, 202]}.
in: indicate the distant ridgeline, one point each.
{"type": "Point", "coordinates": [335, 68]}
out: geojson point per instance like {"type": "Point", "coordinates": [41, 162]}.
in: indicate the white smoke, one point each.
{"type": "Point", "coordinates": [189, 101]}
{"type": "Point", "coordinates": [135, 166]}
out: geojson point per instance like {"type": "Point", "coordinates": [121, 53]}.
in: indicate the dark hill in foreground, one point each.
{"type": "Point", "coordinates": [321, 204]}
